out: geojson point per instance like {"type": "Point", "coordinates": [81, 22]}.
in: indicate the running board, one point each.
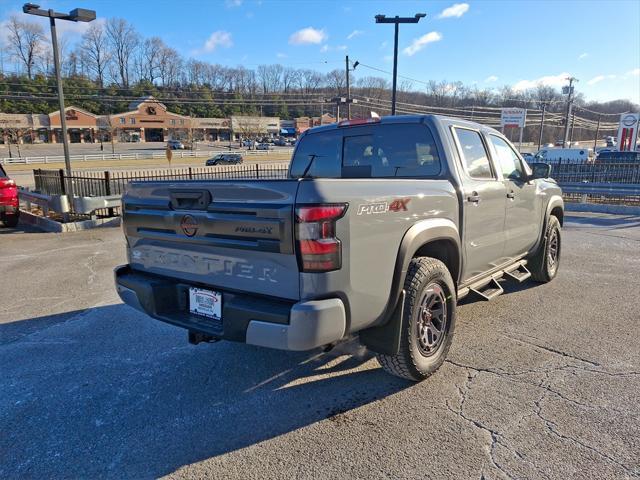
{"type": "Point", "coordinates": [489, 291]}
{"type": "Point", "coordinates": [519, 274]}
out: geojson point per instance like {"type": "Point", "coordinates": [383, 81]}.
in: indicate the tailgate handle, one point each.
{"type": "Point", "coordinates": [190, 199]}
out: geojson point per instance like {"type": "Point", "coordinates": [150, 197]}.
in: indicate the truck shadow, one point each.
{"type": "Point", "coordinates": [116, 394]}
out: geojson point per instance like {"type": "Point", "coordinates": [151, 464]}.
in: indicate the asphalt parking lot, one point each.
{"type": "Point", "coordinates": [543, 382]}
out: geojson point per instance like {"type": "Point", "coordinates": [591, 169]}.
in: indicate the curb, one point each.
{"type": "Point", "coordinates": [602, 208]}
{"type": "Point", "coordinates": [48, 225]}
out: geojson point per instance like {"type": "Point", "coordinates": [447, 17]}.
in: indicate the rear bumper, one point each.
{"type": "Point", "coordinates": [8, 209]}
{"type": "Point", "coordinates": [245, 318]}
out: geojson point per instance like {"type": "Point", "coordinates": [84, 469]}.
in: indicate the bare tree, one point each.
{"type": "Point", "coordinates": [336, 80]}
{"type": "Point", "coordinates": [95, 51]}
{"type": "Point", "coordinates": [123, 41]}
{"type": "Point", "coordinates": [25, 42]}
{"type": "Point", "coordinates": [169, 65]}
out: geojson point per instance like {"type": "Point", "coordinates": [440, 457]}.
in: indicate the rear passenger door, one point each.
{"type": "Point", "coordinates": [522, 215]}
{"type": "Point", "coordinates": [483, 205]}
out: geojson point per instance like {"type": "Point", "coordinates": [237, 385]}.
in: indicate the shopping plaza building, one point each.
{"type": "Point", "coordinates": [147, 120]}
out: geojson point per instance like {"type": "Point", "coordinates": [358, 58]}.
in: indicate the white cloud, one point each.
{"type": "Point", "coordinates": [307, 36]}
{"type": "Point", "coordinates": [281, 55]}
{"type": "Point", "coordinates": [547, 81]}
{"type": "Point", "coordinates": [217, 39]}
{"type": "Point", "coordinates": [455, 10]}
{"type": "Point", "coordinates": [341, 48]}
{"type": "Point", "coordinates": [491, 78]}
{"type": "Point", "coordinates": [324, 48]}
{"type": "Point", "coordinates": [421, 42]}
{"type": "Point", "coordinates": [383, 45]}
{"type": "Point", "coordinates": [354, 34]}
{"type": "Point", "coordinates": [233, 3]}
{"type": "Point", "coordinates": [582, 56]}
{"type": "Point", "coordinates": [599, 78]}
{"type": "Point", "coordinates": [634, 73]}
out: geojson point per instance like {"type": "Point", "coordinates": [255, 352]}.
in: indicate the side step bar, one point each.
{"type": "Point", "coordinates": [519, 274]}
{"type": "Point", "coordinates": [490, 291]}
{"type": "Point", "coordinates": [489, 287]}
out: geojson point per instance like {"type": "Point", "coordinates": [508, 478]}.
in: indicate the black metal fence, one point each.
{"type": "Point", "coordinates": [596, 172]}
{"type": "Point", "coordinates": [94, 184]}
{"type": "Point", "coordinates": [98, 184]}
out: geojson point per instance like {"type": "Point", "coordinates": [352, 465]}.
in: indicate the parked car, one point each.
{"type": "Point", "coordinates": [224, 159]}
{"type": "Point", "coordinates": [280, 142]}
{"type": "Point", "coordinates": [611, 141]}
{"type": "Point", "coordinates": [263, 146]}
{"type": "Point", "coordinates": [9, 205]}
{"type": "Point", "coordinates": [562, 155]}
{"type": "Point", "coordinates": [248, 144]}
{"type": "Point", "coordinates": [330, 251]}
{"type": "Point", "coordinates": [175, 145]}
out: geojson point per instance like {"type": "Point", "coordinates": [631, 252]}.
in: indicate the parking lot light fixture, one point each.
{"type": "Point", "coordinates": [397, 21]}
{"type": "Point", "coordinates": [76, 15]}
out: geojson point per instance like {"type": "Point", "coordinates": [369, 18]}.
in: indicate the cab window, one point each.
{"type": "Point", "coordinates": [507, 159]}
{"type": "Point", "coordinates": [473, 153]}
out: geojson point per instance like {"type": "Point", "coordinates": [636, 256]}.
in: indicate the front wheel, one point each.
{"type": "Point", "coordinates": [544, 264]}
{"type": "Point", "coordinates": [429, 320]}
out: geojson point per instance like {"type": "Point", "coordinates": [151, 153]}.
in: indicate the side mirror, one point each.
{"type": "Point", "coordinates": [540, 170]}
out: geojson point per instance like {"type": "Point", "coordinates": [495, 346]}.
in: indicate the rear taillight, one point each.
{"type": "Point", "coordinates": [318, 248]}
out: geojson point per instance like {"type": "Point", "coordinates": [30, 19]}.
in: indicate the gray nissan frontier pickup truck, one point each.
{"type": "Point", "coordinates": [380, 227]}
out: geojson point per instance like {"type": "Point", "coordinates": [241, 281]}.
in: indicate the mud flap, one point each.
{"type": "Point", "coordinates": [385, 339]}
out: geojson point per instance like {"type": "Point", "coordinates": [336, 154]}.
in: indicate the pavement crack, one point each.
{"type": "Point", "coordinates": [553, 350]}
{"type": "Point", "coordinates": [552, 427]}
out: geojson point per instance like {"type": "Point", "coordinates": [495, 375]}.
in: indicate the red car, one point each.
{"type": "Point", "coordinates": [9, 211]}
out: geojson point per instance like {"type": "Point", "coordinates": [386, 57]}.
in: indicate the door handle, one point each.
{"type": "Point", "coordinates": [473, 198]}
{"type": "Point", "coordinates": [511, 195]}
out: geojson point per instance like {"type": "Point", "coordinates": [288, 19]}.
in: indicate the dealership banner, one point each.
{"type": "Point", "coordinates": [628, 131]}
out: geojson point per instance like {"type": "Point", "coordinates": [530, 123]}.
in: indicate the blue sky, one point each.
{"type": "Point", "coordinates": [489, 43]}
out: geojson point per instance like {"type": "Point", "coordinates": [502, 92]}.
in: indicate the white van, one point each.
{"type": "Point", "coordinates": [562, 155]}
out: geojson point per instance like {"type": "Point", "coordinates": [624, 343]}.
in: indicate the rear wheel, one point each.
{"type": "Point", "coordinates": [429, 320]}
{"type": "Point", "coordinates": [544, 264]}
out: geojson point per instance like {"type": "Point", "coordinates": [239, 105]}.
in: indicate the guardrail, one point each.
{"type": "Point", "coordinates": [57, 203]}
{"type": "Point", "coordinates": [615, 189]}
{"type": "Point", "coordinates": [139, 155]}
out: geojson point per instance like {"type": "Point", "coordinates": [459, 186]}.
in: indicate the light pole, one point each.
{"type": "Point", "coordinates": [397, 21]}
{"type": "Point", "coordinates": [76, 15]}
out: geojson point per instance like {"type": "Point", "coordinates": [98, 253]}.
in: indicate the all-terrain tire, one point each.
{"type": "Point", "coordinates": [427, 278]}
{"type": "Point", "coordinates": [545, 262]}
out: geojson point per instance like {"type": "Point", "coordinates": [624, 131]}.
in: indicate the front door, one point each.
{"type": "Point", "coordinates": [483, 206]}
{"type": "Point", "coordinates": [522, 211]}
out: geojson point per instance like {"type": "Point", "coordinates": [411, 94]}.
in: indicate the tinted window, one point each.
{"type": "Point", "coordinates": [508, 160]}
{"type": "Point", "coordinates": [380, 151]}
{"type": "Point", "coordinates": [474, 155]}
{"type": "Point", "coordinates": [2, 172]}
{"type": "Point", "coordinates": [392, 151]}
{"type": "Point", "coordinates": [319, 154]}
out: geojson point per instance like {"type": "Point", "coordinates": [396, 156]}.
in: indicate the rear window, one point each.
{"type": "Point", "coordinates": [378, 151]}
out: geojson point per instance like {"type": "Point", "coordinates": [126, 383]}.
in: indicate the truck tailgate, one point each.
{"type": "Point", "coordinates": [230, 235]}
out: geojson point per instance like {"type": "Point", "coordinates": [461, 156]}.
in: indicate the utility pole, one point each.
{"type": "Point", "coordinates": [573, 122]}
{"type": "Point", "coordinates": [595, 140]}
{"type": "Point", "coordinates": [397, 21]}
{"type": "Point", "coordinates": [349, 99]}
{"type": "Point", "coordinates": [346, 63]}
{"type": "Point", "coordinates": [569, 91]}
{"type": "Point", "coordinates": [544, 108]}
